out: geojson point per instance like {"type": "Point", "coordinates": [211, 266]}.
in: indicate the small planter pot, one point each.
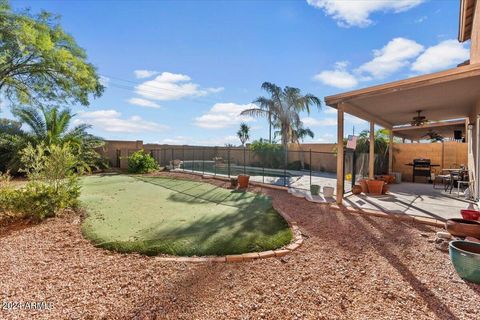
{"type": "Point", "coordinates": [465, 257]}
{"type": "Point", "coordinates": [328, 192]}
{"type": "Point", "coordinates": [357, 189]}
{"type": "Point", "coordinates": [243, 180]}
{"type": "Point", "coordinates": [463, 228]}
{"type": "Point", "coordinates": [314, 189]}
{"type": "Point", "coordinates": [233, 183]}
{"type": "Point", "coordinates": [375, 186]}
{"type": "Point", "coordinates": [470, 214]}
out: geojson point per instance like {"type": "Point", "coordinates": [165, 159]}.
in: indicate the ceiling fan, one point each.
{"type": "Point", "coordinates": [419, 120]}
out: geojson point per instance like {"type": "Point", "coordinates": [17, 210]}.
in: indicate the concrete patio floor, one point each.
{"type": "Point", "coordinates": [416, 199]}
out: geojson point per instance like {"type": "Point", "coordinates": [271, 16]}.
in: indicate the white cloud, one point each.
{"type": "Point", "coordinates": [111, 121]}
{"type": "Point", "coordinates": [172, 86]}
{"type": "Point", "coordinates": [312, 122]}
{"type": "Point", "coordinates": [223, 115]}
{"type": "Point", "coordinates": [140, 74]}
{"type": "Point", "coordinates": [144, 103]}
{"type": "Point", "coordinates": [326, 138]}
{"type": "Point", "coordinates": [441, 56]}
{"type": "Point", "coordinates": [217, 141]}
{"type": "Point", "coordinates": [349, 119]}
{"type": "Point", "coordinates": [338, 78]}
{"type": "Point", "coordinates": [421, 19]}
{"type": "Point", "coordinates": [396, 54]}
{"type": "Point", "coordinates": [350, 13]}
{"type": "Point", "coordinates": [104, 81]}
{"type": "Point", "coordinates": [330, 110]}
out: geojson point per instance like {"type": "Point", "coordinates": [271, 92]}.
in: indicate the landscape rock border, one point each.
{"type": "Point", "coordinates": [297, 235]}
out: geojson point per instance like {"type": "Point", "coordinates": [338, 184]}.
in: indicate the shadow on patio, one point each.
{"type": "Point", "coordinates": [415, 199]}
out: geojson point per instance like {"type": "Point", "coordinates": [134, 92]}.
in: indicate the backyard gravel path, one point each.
{"type": "Point", "coordinates": [350, 267]}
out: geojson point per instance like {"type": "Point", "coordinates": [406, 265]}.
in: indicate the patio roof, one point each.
{"type": "Point", "coordinates": [443, 128]}
{"type": "Point", "coordinates": [441, 96]}
{"type": "Point", "coordinates": [467, 8]}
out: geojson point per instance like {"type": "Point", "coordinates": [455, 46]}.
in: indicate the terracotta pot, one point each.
{"type": "Point", "coordinates": [356, 189]}
{"type": "Point", "coordinates": [375, 186]}
{"type": "Point", "coordinates": [243, 181]}
{"type": "Point", "coordinates": [463, 228]}
{"type": "Point", "coordinates": [363, 184]}
{"type": "Point", "coordinates": [387, 178]}
{"type": "Point", "coordinates": [385, 188]}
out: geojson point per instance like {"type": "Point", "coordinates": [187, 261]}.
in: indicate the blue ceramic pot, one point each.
{"type": "Point", "coordinates": [465, 256]}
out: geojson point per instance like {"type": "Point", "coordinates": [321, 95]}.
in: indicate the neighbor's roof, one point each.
{"type": "Point", "coordinates": [444, 95]}
{"type": "Point", "coordinates": [467, 11]}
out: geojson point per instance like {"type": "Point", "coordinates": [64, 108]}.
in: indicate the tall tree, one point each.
{"type": "Point", "coordinates": [243, 133]}
{"type": "Point", "coordinates": [284, 107]}
{"type": "Point", "coordinates": [268, 105]}
{"type": "Point", "coordinates": [40, 62]}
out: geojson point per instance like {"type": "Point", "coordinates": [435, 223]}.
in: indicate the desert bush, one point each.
{"type": "Point", "coordinates": [52, 184]}
{"type": "Point", "coordinates": [141, 162]}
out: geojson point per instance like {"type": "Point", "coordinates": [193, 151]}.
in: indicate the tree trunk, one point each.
{"type": "Point", "coordinates": [269, 127]}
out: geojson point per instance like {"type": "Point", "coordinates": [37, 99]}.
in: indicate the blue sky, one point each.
{"type": "Point", "coordinates": [180, 71]}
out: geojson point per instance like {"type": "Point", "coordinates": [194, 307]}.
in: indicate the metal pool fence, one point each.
{"type": "Point", "coordinates": [294, 168]}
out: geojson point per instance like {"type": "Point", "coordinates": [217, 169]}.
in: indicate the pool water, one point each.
{"type": "Point", "coordinates": [235, 170]}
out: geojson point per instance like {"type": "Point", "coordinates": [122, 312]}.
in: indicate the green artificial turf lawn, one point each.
{"type": "Point", "coordinates": [154, 215]}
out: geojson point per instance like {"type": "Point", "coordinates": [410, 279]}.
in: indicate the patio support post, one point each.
{"type": "Point", "coordinates": [340, 154]}
{"type": "Point", "coordinates": [390, 152]}
{"type": "Point", "coordinates": [371, 158]}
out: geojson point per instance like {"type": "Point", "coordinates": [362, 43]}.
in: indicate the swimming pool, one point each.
{"type": "Point", "coordinates": [232, 169]}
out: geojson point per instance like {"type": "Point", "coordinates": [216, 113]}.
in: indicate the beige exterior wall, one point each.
{"type": "Point", "coordinates": [475, 36]}
{"type": "Point", "coordinates": [447, 155]}
{"type": "Point", "coordinates": [324, 158]}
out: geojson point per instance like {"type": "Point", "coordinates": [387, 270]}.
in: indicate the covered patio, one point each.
{"type": "Point", "coordinates": [449, 100]}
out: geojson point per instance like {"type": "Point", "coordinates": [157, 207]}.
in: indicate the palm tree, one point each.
{"type": "Point", "coordinates": [50, 126]}
{"type": "Point", "coordinates": [301, 133]}
{"type": "Point", "coordinates": [243, 133]}
{"type": "Point", "coordinates": [284, 108]}
{"type": "Point", "coordinates": [269, 106]}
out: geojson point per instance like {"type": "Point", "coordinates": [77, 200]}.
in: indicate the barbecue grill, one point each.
{"type": "Point", "coordinates": [422, 168]}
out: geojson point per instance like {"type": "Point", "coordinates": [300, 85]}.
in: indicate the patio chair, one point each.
{"type": "Point", "coordinates": [454, 181]}
{"type": "Point", "coordinates": [440, 178]}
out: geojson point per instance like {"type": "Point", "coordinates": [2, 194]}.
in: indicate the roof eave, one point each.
{"type": "Point", "coordinates": [405, 84]}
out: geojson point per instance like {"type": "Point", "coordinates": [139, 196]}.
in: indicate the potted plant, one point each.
{"type": "Point", "coordinates": [357, 189]}
{"type": "Point", "coordinates": [328, 192]}
{"type": "Point", "coordinates": [233, 183]}
{"type": "Point", "coordinates": [465, 256]}
{"type": "Point", "coordinates": [375, 186]}
{"type": "Point", "coordinates": [314, 189]}
{"type": "Point", "coordinates": [243, 180]}
{"type": "Point", "coordinates": [463, 228]}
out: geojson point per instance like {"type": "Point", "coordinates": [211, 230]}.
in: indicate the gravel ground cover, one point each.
{"type": "Point", "coordinates": [181, 217]}
{"type": "Point", "coordinates": [350, 267]}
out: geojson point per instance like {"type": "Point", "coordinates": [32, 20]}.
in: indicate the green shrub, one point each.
{"type": "Point", "coordinates": [271, 155]}
{"type": "Point", "coordinates": [40, 200]}
{"type": "Point", "coordinates": [52, 187]}
{"type": "Point", "coordinates": [141, 162]}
